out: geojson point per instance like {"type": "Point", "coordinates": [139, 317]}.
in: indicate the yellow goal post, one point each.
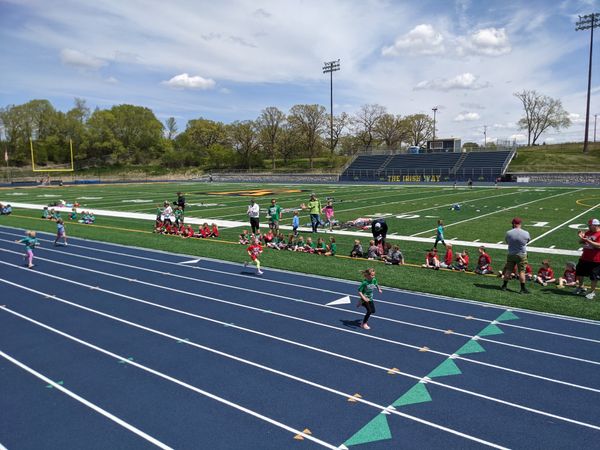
{"type": "Point", "coordinates": [67, 169]}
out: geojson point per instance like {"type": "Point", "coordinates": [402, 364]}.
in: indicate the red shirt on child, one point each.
{"type": "Point", "coordinates": [254, 250]}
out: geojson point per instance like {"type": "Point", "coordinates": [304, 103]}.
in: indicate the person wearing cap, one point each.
{"type": "Point", "coordinates": [517, 239]}
{"type": "Point", "coordinates": [254, 214]}
{"type": "Point", "coordinates": [379, 229]}
{"type": "Point", "coordinates": [314, 209]}
{"type": "Point", "coordinates": [589, 262]}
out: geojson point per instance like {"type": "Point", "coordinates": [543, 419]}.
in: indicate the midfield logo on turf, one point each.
{"type": "Point", "coordinates": [255, 192]}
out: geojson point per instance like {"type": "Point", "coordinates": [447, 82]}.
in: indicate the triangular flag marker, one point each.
{"type": "Point", "coordinates": [340, 301]}
{"type": "Point", "coordinates": [417, 394]}
{"type": "Point", "coordinates": [490, 330]}
{"type": "Point", "coordinates": [447, 367]}
{"type": "Point", "coordinates": [376, 430]}
{"type": "Point", "coordinates": [193, 261]}
{"type": "Point", "coordinates": [354, 397]}
{"type": "Point", "coordinates": [393, 371]}
{"type": "Point", "coordinates": [472, 346]}
{"type": "Point", "coordinates": [507, 315]}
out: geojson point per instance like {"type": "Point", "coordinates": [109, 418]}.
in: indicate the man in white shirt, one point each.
{"type": "Point", "coordinates": [254, 214]}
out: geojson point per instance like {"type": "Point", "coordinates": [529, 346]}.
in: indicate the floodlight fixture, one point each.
{"type": "Point", "coordinates": [588, 22]}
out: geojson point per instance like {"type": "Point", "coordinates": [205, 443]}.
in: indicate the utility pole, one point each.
{"type": "Point", "coordinates": [588, 22]}
{"type": "Point", "coordinates": [330, 67]}
{"type": "Point", "coordinates": [595, 117]}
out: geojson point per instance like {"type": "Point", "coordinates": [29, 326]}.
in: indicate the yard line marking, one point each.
{"type": "Point", "coordinates": [496, 212]}
{"type": "Point", "coordinates": [87, 403]}
{"type": "Point", "coordinates": [324, 325]}
{"type": "Point", "coordinates": [320, 350]}
{"type": "Point", "coordinates": [166, 377]}
{"type": "Point", "coordinates": [552, 246]}
{"type": "Point", "coordinates": [564, 223]}
{"type": "Point", "coordinates": [476, 303]}
{"type": "Point", "coordinates": [254, 364]}
{"type": "Point", "coordinates": [230, 286]}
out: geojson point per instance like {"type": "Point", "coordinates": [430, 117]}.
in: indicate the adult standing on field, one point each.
{"type": "Point", "coordinates": [274, 216]}
{"type": "Point", "coordinates": [180, 200]}
{"type": "Point", "coordinates": [314, 208]}
{"type": "Point", "coordinates": [254, 213]}
{"type": "Point", "coordinates": [517, 240]}
{"type": "Point", "coordinates": [589, 262]}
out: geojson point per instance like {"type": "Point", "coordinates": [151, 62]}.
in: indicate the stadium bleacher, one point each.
{"type": "Point", "coordinates": [480, 166]}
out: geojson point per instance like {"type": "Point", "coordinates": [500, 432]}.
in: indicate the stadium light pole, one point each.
{"type": "Point", "coordinates": [330, 67]}
{"type": "Point", "coordinates": [434, 109]}
{"type": "Point", "coordinates": [588, 22]}
{"type": "Point", "coordinates": [595, 117]}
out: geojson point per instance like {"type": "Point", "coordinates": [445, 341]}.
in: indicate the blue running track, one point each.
{"type": "Point", "coordinates": [106, 346]}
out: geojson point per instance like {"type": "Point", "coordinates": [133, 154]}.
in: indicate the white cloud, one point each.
{"type": "Point", "coordinates": [576, 118]}
{"type": "Point", "coordinates": [184, 81]}
{"type": "Point", "coordinates": [518, 137]}
{"type": "Point", "coordinates": [463, 81]}
{"type": "Point", "coordinates": [75, 58]}
{"type": "Point", "coordinates": [467, 117]}
{"type": "Point", "coordinates": [421, 40]}
{"type": "Point", "coordinates": [487, 41]}
{"type": "Point", "coordinates": [111, 80]}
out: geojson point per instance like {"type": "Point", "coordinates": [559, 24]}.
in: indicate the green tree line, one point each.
{"type": "Point", "coordinates": [132, 135]}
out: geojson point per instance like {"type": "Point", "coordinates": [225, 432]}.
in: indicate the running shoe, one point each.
{"type": "Point", "coordinates": [245, 264]}
{"type": "Point", "coordinates": [591, 296]}
{"type": "Point", "coordinates": [365, 326]}
{"type": "Point", "coordinates": [259, 272]}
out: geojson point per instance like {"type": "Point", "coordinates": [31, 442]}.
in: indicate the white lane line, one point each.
{"type": "Point", "coordinates": [320, 305]}
{"type": "Point", "coordinates": [125, 360]}
{"type": "Point", "coordinates": [87, 403]}
{"type": "Point", "coordinates": [319, 324]}
{"type": "Point", "coordinates": [251, 363]}
{"type": "Point", "coordinates": [496, 212]}
{"type": "Point", "coordinates": [477, 303]}
{"type": "Point", "coordinates": [301, 345]}
{"type": "Point", "coordinates": [563, 224]}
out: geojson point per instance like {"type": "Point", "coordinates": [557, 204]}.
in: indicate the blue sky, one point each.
{"type": "Point", "coordinates": [228, 60]}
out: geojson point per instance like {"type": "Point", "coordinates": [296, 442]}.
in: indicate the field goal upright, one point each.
{"type": "Point", "coordinates": [70, 168]}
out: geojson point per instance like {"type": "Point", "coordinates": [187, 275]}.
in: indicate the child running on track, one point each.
{"type": "Point", "coordinates": [254, 250]}
{"type": "Point", "coordinates": [365, 291]}
{"type": "Point", "coordinates": [30, 242]}
{"type": "Point", "coordinates": [60, 232]}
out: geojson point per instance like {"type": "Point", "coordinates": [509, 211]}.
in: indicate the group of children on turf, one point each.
{"type": "Point", "coordinates": [294, 242]}
{"type": "Point", "coordinates": [170, 221]}
{"type": "Point", "coordinates": [86, 217]}
{"type": "Point", "coordinates": [388, 253]}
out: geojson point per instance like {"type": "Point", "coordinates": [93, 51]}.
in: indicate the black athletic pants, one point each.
{"type": "Point", "coordinates": [254, 224]}
{"type": "Point", "coordinates": [370, 310]}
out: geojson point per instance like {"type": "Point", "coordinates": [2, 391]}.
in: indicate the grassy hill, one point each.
{"type": "Point", "coordinates": [567, 157]}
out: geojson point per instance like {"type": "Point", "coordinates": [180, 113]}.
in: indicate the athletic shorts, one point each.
{"type": "Point", "coordinates": [588, 269]}
{"type": "Point", "coordinates": [519, 260]}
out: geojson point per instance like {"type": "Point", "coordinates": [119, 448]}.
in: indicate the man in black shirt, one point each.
{"type": "Point", "coordinates": [180, 200]}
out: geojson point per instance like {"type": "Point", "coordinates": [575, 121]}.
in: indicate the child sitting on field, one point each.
{"type": "Point", "coordinates": [244, 238]}
{"type": "Point", "coordinates": [309, 247]}
{"type": "Point", "coordinates": [331, 248]}
{"type": "Point", "coordinates": [483, 262]}
{"type": "Point", "coordinates": [462, 261]}
{"type": "Point", "coordinates": [281, 243]}
{"type": "Point", "coordinates": [357, 250]}
{"type": "Point", "coordinates": [159, 227]}
{"type": "Point", "coordinates": [431, 260]}
{"type": "Point", "coordinates": [373, 251]}
{"type": "Point", "coordinates": [204, 231]}
{"type": "Point", "coordinates": [396, 257]}
{"type": "Point", "coordinates": [188, 232]}
{"type": "Point", "coordinates": [448, 258]}
{"type": "Point", "coordinates": [268, 237]}
{"type": "Point", "coordinates": [214, 232]}
{"type": "Point", "coordinates": [568, 278]}
{"type": "Point", "coordinates": [45, 213]}
{"type": "Point", "coordinates": [320, 248]}
{"type": "Point", "coordinates": [299, 247]}
{"type": "Point", "coordinates": [73, 214]}
{"type": "Point", "coordinates": [546, 274]}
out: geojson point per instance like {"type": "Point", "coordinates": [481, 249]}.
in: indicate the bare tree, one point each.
{"type": "Point", "coordinates": [365, 122]}
{"type": "Point", "coordinates": [419, 127]}
{"type": "Point", "coordinates": [244, 139]}
{"type": "Point", "coordinates": [269, 124]}
{"type": "Point", "coordinates": [390, 129]}
{"type": "Point", "coordinates": [171, 127]}
{"type": "Point", "coordinates": [340, 123]}
{"type": "Point", "coordinates": [309, 121]}
{"type": "Point", "coordinates": [541, 112]}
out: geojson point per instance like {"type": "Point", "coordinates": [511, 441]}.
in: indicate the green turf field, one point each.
{"type": "Point", "coordinates": [551, 215]}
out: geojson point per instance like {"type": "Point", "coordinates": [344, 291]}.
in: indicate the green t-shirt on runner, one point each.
{"type": "Point", "coordinates": [314, 207]}
{"type": "Point", "coordinates": [367, 287]}
{"type": "Point", "coordinates": [274, 212]}
{"type": "Point", "coordinates": [29, 242]}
